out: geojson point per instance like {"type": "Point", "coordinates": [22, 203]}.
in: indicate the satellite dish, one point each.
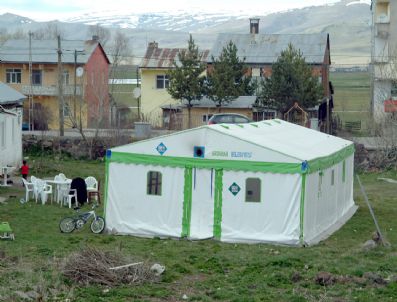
{"type": "Point", "coordinates": [136, 92]}
{"type": "Point", "coordinates": [79, 71]}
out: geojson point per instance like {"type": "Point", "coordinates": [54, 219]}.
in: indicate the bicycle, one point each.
{"type": "Point", "coordinates": [69, 224]}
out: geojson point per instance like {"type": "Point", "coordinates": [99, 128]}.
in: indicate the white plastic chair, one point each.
{"type": "Point", "coordinates": [43, 190]}
{"type": "Point", "coordinates": [92, 185]}
{"type": "Point", "coordinates": [62, 176]}
{"type": "Point", "coordinates": [36, 190]}
{"type": "Point", "coordinates": [63, 192]}
{"type": "Point", "coordinates": [29, 187]}
{"type": "Point", "coordinates": [68, 198]}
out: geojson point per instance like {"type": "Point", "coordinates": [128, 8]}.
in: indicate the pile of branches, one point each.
{"type": "Point", "coordinates": [93, 266]}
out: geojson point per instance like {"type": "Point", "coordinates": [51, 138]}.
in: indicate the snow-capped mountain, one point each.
{"type": "Point", "coordinates": [173, 21]}
{"type": "Point", "coordinates": [347, 22]}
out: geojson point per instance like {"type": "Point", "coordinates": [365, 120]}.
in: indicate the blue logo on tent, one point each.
{"type": "Point", "coordinates": [161, 148]}
{"type": "Point", "coordinates": [234, 189]}
{"type": "Point", "coordinates": [305, 166]}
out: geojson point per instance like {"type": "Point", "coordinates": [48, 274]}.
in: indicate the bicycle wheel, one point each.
{"type": "Point", "coordinates": [67, 225]}
{"type": "Point", "coordinates": [98, 225]}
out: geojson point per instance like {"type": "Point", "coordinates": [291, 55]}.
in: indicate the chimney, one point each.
{"type": "Point", "coordinates": [254, 25]}
{"type": "Point", "coordinates": [153, 44]}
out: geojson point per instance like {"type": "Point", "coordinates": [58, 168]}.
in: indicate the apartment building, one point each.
{"type": "Point", "coordinates": [32, 69]}
{"type": "Point", "coordinates": [384, 58]}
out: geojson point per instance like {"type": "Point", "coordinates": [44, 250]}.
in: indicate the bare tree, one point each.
{"type": "Point", "coordinates": [18, 34]}
{"type": "Point", "coordinates": [120, 54]}
{"type": "Point", "coordinates": [101, 32]}
{"type": "Point", "coordinates": [49, 32]}
{"type": "Point", "coordinates": [92, 109]}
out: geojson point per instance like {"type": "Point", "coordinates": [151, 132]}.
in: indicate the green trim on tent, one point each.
{"type": "Point", "coordinates": [302, 208]}
{"type": "Point", "coordinates": [218, 203]}
{"type": "Point", "coordinates": [107, 161]}
{"type": "Point", "coordinates": [234, 165]}
{"type": "Point", "coordinates": [187, 202]}
{"type": "Point", "coordinates": [323, 163]}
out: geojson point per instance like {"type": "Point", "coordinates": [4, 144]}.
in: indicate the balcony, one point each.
{"type": "Point", "coordinates": [50, 90]}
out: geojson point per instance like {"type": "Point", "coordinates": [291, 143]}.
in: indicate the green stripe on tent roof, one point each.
{"type": "Point", "coordinates": [236, 165]}
{"type": "Point", "coordinates": [322, 163]}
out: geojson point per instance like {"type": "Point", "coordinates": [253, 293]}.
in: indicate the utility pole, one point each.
{"type": "Point", "coordinates": [328, 117]}
{"type": "Point", "coordinates": [60, 90]}
{"type": "Point", "coordinates": [30, 97]}
{"type": "Point", "coordinates": [75, 84]}
{"type": "Point", "coordinates": [139, 97]}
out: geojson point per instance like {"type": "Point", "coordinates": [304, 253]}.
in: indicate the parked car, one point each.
{"type": "Point", "coordinates": [228, 118]}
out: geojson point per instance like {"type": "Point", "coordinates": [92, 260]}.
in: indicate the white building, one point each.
{"type": "Point", "coordinates": [10, 126]}
{"type": "Point", "coordinates": [384, 57]}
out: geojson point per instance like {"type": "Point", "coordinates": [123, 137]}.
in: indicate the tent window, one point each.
{"type": "Point", "coordinates": [154, 183]}
{"type": "Point", "coordinates": [332, 177]}
{"type": "Point", "coordinates": [253, 190]}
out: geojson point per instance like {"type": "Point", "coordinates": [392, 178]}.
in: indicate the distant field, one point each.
{"type": "Point", "coordinates": [352, 97]}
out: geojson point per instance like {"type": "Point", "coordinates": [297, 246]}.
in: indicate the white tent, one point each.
{"type": "Point", "coordinates": [270, 181]}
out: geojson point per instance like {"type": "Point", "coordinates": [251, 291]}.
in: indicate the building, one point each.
{"type": "Point", "coordinates": [85, 95]}
{"type": "Point", "coordinates": [176, 116]}
{"type": "Point", "coordinates": [124, 90]}
{"type": "Point", "coordinates": [154, 66]}
{"type": "Point", "coordinates": [261, 51]}
{"type": "Point", "coordinates": [10, 126]}
{"type": "Point", "coordinates": [384, 58]}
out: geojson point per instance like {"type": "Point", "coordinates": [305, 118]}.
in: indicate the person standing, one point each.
{"type": "Point", "coordinates": [25, 170]}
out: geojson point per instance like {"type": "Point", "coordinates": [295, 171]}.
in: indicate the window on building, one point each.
{"type": "Point", "coordinates": [154, 183]}
{"type": "Point", "coordinates": [36, 77]}
{"type": "Point", "coordinates": [206, 117]}
{"type": "Point", "coordinates": [162, 82]}
{"type": "Point", "coordinates": [65, 77]}
{"type": "Point", "coordinates": [3, 135]}
{"type": "Point", "coordinates": [394, 89]}
{"type": "Point", "coordinates": [66, 110]}
{"type": "Point", "coordinates": [13, 76]}
{"type": "Point", "coordinates": [253, 190]}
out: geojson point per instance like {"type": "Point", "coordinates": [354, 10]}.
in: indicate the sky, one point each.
{"type": "Point", "coordinates": [46, 10]}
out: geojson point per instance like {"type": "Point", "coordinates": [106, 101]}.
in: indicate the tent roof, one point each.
{"type": "Point", "coordinates": [276, 135]}
{"type": "Point", "coordinates": [290, 139]}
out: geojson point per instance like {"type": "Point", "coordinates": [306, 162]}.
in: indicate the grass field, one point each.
{"type": "Point", "coordinates": [352, 96]}
{"type": "Point", "coordinates": [203, 270]}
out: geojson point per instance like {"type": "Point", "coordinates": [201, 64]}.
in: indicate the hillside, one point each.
{"type": "Point", "coordinates": [347, 22]}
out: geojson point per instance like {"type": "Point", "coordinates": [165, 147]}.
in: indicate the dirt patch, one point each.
{"type": "Point", "coordinates": [369, 278]}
